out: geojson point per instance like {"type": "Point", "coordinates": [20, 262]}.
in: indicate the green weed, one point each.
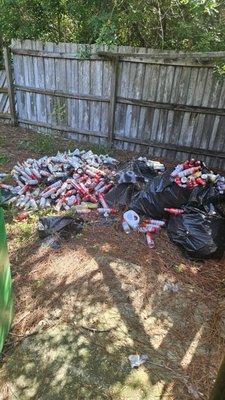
{"type": "Point", "coordinates": [179, 268]}
{"type": "Point", "coordinates": [3, 159]}
{"type": "Point", "coordinates": [42, 144]}
{"type": "Point", "coordinates": [23, 231]}
{"type": "Point", "coordinates": [38, 283]}
{"type": "Point", "coordinates": [79, 235]}
{"type": "Point", "coordinates": [2, 142]}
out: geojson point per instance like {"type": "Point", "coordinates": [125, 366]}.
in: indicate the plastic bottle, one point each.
{"type": "Point", "coordinates": [177, 169]}
{"type": "Point", "coordinates": [174, 211]}
{"type": "Point", "coordinates": [187, 172]}
{"type": "Point", "coordinates": [150, 240]}
{"type": "Point", "coordinates": [102, 201]}
{"type": "Point", "coordinates": [153, 221]}
{"type": "Point", "coordinates": [126, 227]}
{"type": "Point", "coordinates": [132, 218]}
{"type": "Point", "coordinates": [107, 210]}
{"type": "Point", "coordinates": [22, 216]}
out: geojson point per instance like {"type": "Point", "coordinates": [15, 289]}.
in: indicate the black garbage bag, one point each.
{"type": "Point", "coordinates": [160, 193]}
{"type": "Point", "coordinates": [121, 194]}
{"type": "Point", "coordinates": [204, 196]}
{"type": "Point", "coordinates": [199, 234]}
{"type": "Point", "coordinates": [56, 224]}
{"type": "Point", "coordinates": [135, 171]}
{"type": "Point", "coordinates": [128, 181]}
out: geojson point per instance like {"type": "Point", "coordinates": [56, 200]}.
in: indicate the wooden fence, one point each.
{"type": "Point", "coordinates": [4, 100]}
{"type": "Point", "coordinates": [162, 103]}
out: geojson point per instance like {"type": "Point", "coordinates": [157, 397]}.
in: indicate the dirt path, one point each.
{"type": "Point", "coordinates": [103, 280]}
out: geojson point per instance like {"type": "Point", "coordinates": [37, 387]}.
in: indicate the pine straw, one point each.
{"type": "Point", "coordinates": [206, 279]}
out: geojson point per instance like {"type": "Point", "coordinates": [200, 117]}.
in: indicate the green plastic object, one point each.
{"type": "Point", "coordinates": [6, 303]}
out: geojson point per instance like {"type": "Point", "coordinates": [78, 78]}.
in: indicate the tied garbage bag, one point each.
{"type": "Point", "coordinates": [129, 180]}
{"type": "Point", "coordinates": [204, 196]}
{"type": "Point", "coordinates": [160, 193]}
{"type": "Point", "coordinates": [199, 234]}
{"type": "Point", "coordinates": [137, 170]}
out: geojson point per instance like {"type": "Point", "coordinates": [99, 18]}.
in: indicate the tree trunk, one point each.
{"type": "Point", "coordinates": [59, 19]}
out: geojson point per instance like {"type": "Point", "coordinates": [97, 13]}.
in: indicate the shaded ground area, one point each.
{"type": "Point", "coordinates": [82, 310]}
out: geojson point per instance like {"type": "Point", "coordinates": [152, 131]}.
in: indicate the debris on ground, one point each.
{"type": "Point", "coordinates": [131, 218]}
{"type": "Point", "coordinates": [52, 242]}
{"type": "Point", "coordinates": [85, 182]}
{"type": "Point", "coordinates": [166, 197]}
{"type": "Point", "coordinates": [59, 224]}
{"type": "Point", "coordinates": [101, 278]}
{"type": "Point", "coordinates": [62, 181]}
{"type": "Point", "coordinates": [136, 360]}
{"type": "Point", "coordinates": [192, 173]}
{"type": "Point", "coordinates": [171, 287]}
{"type": "Point", "coordinates": [51, 229]}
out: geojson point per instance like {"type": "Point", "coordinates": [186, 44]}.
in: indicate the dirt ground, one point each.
{"type": "Point", "coordinates": [81, 310]}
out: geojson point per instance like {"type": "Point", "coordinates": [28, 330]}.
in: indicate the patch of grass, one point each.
{"type": "Point", "coordinates": [96, 148]}
{"type": "Point", "coordinates": [79, 235]}
{"type": "Point", "coordinates": [2, 142]}
{"type": "Point", "coordinates": [49, 144]}
{"type": "Point", "coordinates": [3, 159]}
{"type": "Point", "coordinates": [9, 213]}
{"type": "Point", "coordinates": [179, 268]}
{"type": "Point", "coordinates": [38, 283]}
{"type": "Point", "coordinates": [42, 144]}
{"type": "Point", "coordinates": [22, 231]}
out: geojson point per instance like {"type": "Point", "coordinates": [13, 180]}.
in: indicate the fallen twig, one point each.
{"type": "Point", "coordinates": [21, 319]}
{"type": "Point", "coordinates": [95, 330]}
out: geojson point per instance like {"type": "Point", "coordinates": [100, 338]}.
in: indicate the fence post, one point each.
{"type": "Point", "coordinates": [112, 104]}
{"type": "Point", "coordinates": [10, 87]}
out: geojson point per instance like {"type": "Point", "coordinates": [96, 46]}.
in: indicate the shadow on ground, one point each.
{"type": "Point", "coordinates": [91, 284]}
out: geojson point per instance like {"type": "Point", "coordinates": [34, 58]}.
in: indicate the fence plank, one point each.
{"type": "Point", "coordinates": [9, 78]}
{"type": "Point", "coordinates": [4, 103]}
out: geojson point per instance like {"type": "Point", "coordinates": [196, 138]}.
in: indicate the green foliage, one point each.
{"type": "Point", "coordinates": [3, 159]}
{"type": "Point", "coordinates": [84, 54]}
{"type": "Point", "coordinates": [2, 142]}
{"type": "Point", "coordinates": [166, 24]}
{"type": "Point", "coordinates": [42, 144]}
{"type": "Point", "coordinates": [22, 231]}
{"type": "Point", "coordinates": [219, 69]}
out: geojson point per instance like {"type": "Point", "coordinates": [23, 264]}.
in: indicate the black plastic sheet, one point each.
{"type": "Point", "coordinates": [6, 195]}
{"type": "Point", "coordinates": [62, 225]}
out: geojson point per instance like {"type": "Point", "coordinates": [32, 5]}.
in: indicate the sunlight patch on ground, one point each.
{"type": "Point", "coordinates": [192, 349]}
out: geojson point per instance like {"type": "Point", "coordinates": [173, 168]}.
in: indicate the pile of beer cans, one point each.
{"type": "Point", "coordinates": [192, 173]}
{"type": "Point", "coordinates": [68, 179]}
